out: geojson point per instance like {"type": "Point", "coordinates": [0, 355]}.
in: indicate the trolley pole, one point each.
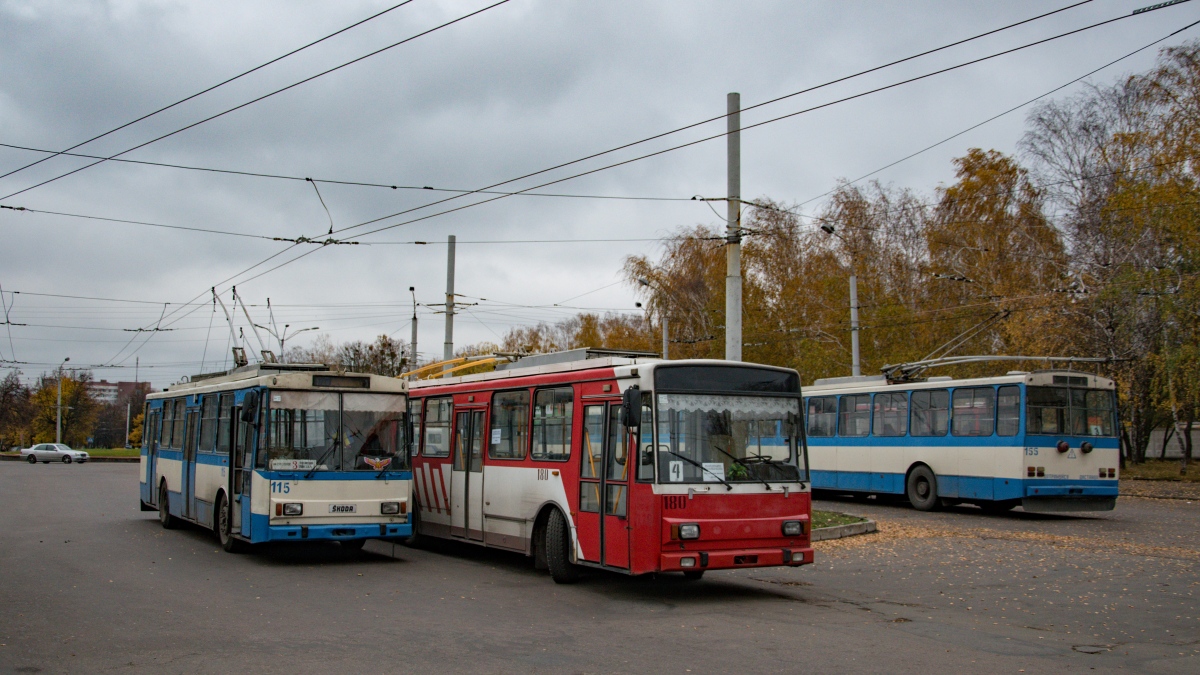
{"type": "Point", "coordinates": [733, 232]}
{"type": "Point", "coordinates": [448, 351]}
{"type": "Point", "coordinates": [412, 345]}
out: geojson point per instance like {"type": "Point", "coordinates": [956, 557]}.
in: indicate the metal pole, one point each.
{"type": "Point", "coordinates": [733, 233]}
{"type": "Point", "coordinates": [58, 420]}
{"type": "Point", "coordinates": [128, 408]}
{"type": "Point", "coordinates": [666, 342]}
{"type": "Point", "coordinates": [448, 351]}
{"type": "Point", "coordinates": [412, 346]}
{"type": "Point", "coordinates": [855, 368]}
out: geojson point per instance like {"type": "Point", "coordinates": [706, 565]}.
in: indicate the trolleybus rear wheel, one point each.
{"type": "Point", "coordinates": [922, 489]}
{"type": "Point", "coordinates": [558, 551]}
{"type": "Point", "coordinates": [997, 507]}
{"type": "Point", "coordinates": [693, 575]}
{"type": "Point", "coordinates": [415, 539]}
{"type": "Point", "coordinates": [169, 522]}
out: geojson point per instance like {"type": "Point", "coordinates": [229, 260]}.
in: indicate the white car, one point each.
{"type": "Point", "coordinates": [53, 452]}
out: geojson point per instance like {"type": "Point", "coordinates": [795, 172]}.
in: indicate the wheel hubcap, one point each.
{"type": "Point", "coordinates": [922, 489]}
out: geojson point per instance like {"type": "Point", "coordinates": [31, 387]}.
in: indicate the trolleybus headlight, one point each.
{"type": "Point", "coordinates": [689, 531]}
{"type": "Point", "coordinates": [793, 528]}
{"type": "Point", "coordinates": [1063, 446]}
{"type": "Point", "coordinates": [293, 509]}
{"type": "Point", "coordinates": [687, 562]}
{"type": "Point", "coordinates": [389, 508]}
{"type": "Point", "coordinates": [1086, 447]}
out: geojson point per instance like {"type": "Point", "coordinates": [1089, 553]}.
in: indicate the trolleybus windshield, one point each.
{"type": "Point", "coordinates": [331, 431]}
{"type": "Point", "coordinates": [730, 438]}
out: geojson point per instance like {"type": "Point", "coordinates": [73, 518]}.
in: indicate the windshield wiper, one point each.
{"type": "Point", "coordinates": [743, 463]}
{"type": "Point", "coordinates": [700, 466]}
{"type": "Point", "coordinates": [321, 459]}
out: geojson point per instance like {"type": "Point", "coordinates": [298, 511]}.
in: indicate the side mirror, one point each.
{"type": "Point", "coordinates": [631, 408]}
{"type": "Point", "coordinates": [250, 407]}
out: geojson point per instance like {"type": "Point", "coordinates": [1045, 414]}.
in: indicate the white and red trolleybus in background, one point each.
{"type": "Point", "coordinates": [586, 458]}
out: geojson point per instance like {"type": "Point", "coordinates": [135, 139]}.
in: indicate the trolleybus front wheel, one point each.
{"type": "Point", "coordinates": [353, 544]}
{"type": "Point", "coordinates": [224, 527]}
{"type": "Point", "coordinates": [922, 489]}
{"type": "Point", "coordinates": [558, 550]}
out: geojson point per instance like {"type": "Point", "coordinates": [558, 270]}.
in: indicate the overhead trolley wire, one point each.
{"type": "Point", "coordinates": [206, 90]}
{"type": "Point", "coordinates": [263, 97]}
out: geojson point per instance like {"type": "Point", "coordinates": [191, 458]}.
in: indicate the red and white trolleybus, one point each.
{"type": "Point", "coordinates": [638, 465]}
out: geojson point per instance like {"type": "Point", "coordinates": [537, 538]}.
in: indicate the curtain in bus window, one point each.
{"type": "Point", "coordinates": [303, 431]}
{"type": "Point", "coordinates": [974, 411]}
{"type": "Point", "coordinates": [891, 414]}
{"type": "Point", "coordinates": [510, 425]}
{"type": "Point", "coordinates": [208, 423]}
{"type": "Point", "coordinates": [371, 432]}
{"type": "Point", "coordinates": [437, 427]}
{"type": "Point", "coordinates": [930, 412]}
{"type": "Point", "coordinates": [822, 416]}
{"type": "Point", "coordinates": [855, 414]}
{"type": "Point", "coordinates": [646, 443]}
{"type": "Point", "coordinates": [709, 438]}
{"type": "Point", "coordinates": [223, 423]}
{"type": "Point", "coordinates": [180, 422]}
{"type": "Point", "coordinates": [552, 424]}
{"type": "Point", "coordinates": [1008, 411]}
{"type": "Point", "coordinates": [414, 427]}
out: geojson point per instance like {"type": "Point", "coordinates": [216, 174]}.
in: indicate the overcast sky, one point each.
{"type": "Point", "coordinates": [518, 88]}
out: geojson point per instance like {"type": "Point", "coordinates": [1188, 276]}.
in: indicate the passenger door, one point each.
{"type": "Point", "coordinates": [189, 465]}
{"type": "Point", "coordinates": [602, 525]}
{"type": "Point", "coordinates": [466, 476]}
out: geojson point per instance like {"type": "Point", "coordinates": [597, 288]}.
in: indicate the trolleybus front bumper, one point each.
{"type": "Point", "coordinates": [335, 532]}
{"type": "Point", "coordinates": [684, 561]}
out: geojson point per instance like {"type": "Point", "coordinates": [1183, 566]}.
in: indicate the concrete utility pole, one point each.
{"type": "Point", "coordinates": [128, 408]}
{"type": "Point", "coordinates": [733, 232]}
{"type": "Point", "coordinates": [412, 345]}
{"type": "Point", "coordinates": [666, 342]}
{"type": "Point", "coordinates": [855, 368]}
{"type": "Point", "coordinates": [448, 351]}
{"type": "Point", "coordinates": [58, 419]}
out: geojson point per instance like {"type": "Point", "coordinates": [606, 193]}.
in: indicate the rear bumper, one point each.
{"type": "Point", "coordinates": [1036, 490]}
{"type": "Point", "coordinates": [337, 532]}
{"type": "Point", "coordinates": [1067, 504]}
{"type": "Point", "coordinates": [736, 558]}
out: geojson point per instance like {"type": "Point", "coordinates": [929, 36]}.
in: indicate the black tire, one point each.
{"type": "Point", "coordinates": [66, 459]}
{"type": "Point", "coordinates": [223, 526]}
{"type": "Point", "coordinates": [921, 489]}
{"type": "Point", "coordinates": [415, 539]}
{"type": "Point", "coordinates": [168, 521]}
{"type": "Point", "coordinates": [693, 575]}
{"type": "Point", "coordinates": [32, 459]}
{"type": "Point", "coordinates": [558, 550]}
{"type": "Point", "coordinates": [353, 544]}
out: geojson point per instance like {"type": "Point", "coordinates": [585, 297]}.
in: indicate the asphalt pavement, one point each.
{"type": "Point", "coordinates": [89, 584]}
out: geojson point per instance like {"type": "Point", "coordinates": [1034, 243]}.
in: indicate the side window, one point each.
{"type": "Point", "coordinates": [168, 419]}
{"type": "Point", "coordinates": [1008, 410]}
{"type": "Point", "coordinates": [177, 433]}
{"type": "Point", "coordinates": [646, 443]}
{"type": "Point", "coordinates": [891, 414]}
{"type": "Point", "coordinates": [854, 413]}
{"type": "Point", "coordinates": [414, 426]}
{"type": "Point", "coordinates": [974, 411]}
{"type": "Point", "coordinates": [224, 425]}
{"type": "Point", "coordinates": [510, 425]}
{"type": "Point", "coordinates": [822, 416]}
{"type": "Point", "coordinates": [208, 423]}
{"type": "Point", "coordinates": [930, 412]}
{"type": "Point", "coordinates": [437, 427]}
{"type": "Point", "coordinates": [552, 417]}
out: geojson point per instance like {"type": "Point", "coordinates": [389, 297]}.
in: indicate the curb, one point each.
{"type": "Point", "coordinates": [118, 460]}
{"type": "Point", "coordinates": [839, 531]}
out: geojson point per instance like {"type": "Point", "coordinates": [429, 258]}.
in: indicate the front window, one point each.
{"type": "Point", "coordinates": [712, 438]}
{"type": "Point", "coordinates": [330, 431]}
{"type": "Point", "coordinates": [1077, 412]}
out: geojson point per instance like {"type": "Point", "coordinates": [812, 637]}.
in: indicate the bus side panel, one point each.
{"type": "Point", "coordinates": [169, 468]}
{"type": "Point", "coordinates": [1009, 463]}
{"type": "Point", "coordinates": [211, 476]}
{"type": "Point", "coordinates": [143, 477]}
{"type": "Point", "coordinates": [255, 527]}
{"type": "Point", "coordinates": [822, 456]}
{"type": "Point", "coordinates": [512, 496]}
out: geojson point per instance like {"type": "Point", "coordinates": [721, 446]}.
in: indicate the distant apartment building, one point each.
{"type": "Point", "coordinates": [111, 392]}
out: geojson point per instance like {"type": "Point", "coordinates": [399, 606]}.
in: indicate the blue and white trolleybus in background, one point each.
{"type": "Point", "coordinates": [280, 452]}
{"type": "Point", "coordinates": [1045, 440]}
